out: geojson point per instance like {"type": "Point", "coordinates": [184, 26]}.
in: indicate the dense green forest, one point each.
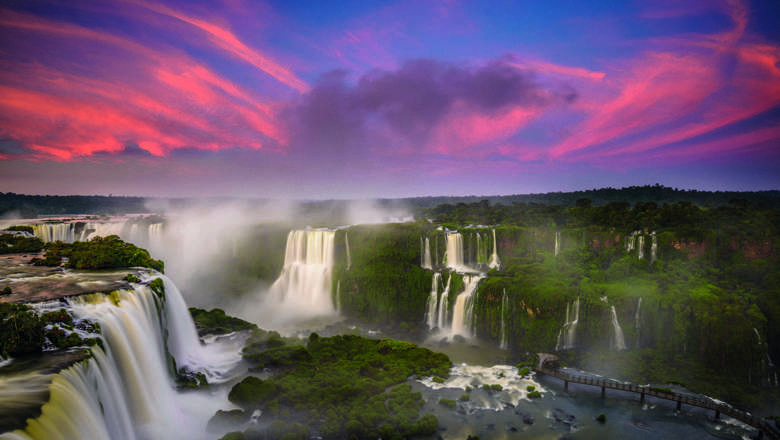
{"type": "Point", "coordinates": [696, 290]}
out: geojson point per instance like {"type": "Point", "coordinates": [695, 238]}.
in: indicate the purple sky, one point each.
{"type": "Point", "coordinates": [355, 99]}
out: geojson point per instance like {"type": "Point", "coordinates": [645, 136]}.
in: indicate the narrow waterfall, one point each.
{"type": "Point", "coordinates": [557, 242]}
{"type": "Point", "coordinates": [463, 310]}
{"type": "Point", "coordinates": [454, 253]}
{"type": "Point", "coordinates": [303, 290]}
{"type": "Point", "coordinates": [504, 341]}
{"type": "Point", "coordinates": [567, 335]}
{"type": "Point", "coordinates": [653, 248]}
{"type": "Point", "coordinates": [426, 254]}
{"type": "Point", "coordinates": [638, 322]}
{"type": "Point", "coordinates": [640, 246]}
{"type": "Point", "coordinates": [618, 341]}
{"type": "Point", "coordinates": [433, 302]}
{"type": "Point", "coordinates": [349, 256]}
{"type": "Point", "coordinates": [479, 259]}
{"type": "Point", "coordinates": [338, 295]}
{"type": "Point", "coordinates": [124, 392]}
{"type": "Point", "coordinates": [183, 341]}
{"type": "Point", "coordinates": [495, 263]}
{"type": "Point", "coordinates": [442, 312]}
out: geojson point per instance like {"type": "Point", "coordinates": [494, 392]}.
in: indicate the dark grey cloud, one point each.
{"type": "Point", "coordinates": [406, 104]}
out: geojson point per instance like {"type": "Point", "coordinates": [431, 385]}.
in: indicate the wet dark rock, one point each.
{"type": "Point", "coordinates": [225, 420]}
{"type": "Point", "coordinates": [527, 418]}
{"type": "Point", "coordinates": [459, 338]}
{"type": "Point", "coordinates": [562, 416]}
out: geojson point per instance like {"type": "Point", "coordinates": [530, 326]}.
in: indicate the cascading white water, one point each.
{"type": "Point", "coordinates": [618, 341]}
{"type": "Point", "coordinates": [454, 253]}
{"type": "Point", "coordinates": [557, 242]}
{"type": "Point", "coordinates": [349, 255]}
{"type": "Point", "coordinates": [51, 232]}
{"type": "Point", "coordinates": [567, 335]}
{"type": "Point", "coordinates": [426, 259]}
{"type": "Point", "coordinates": [444, 305]}
{"type": "Point", "coordinates": [641, 246]}
{"type": "Point", "coordinates": [463, 310]}
{"type": "Point", "coordinates": [653, 248]}
{"type": "Point", "coordinates": [504, 341]}
{"type": "Point", "coordinates": [303, 290]}
{"type": "Point", "coordinates": [184, 344]}
{"type": "Point", "coordinates": [638, 321]}
{"type": "Point", "coordinates": [495, 262]}
{"type": "Point", "coordinates": [433, 301]}
{"type": "Point", "coordinates": [125, 392]}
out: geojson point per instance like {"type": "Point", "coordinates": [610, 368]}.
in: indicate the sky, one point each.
{"type": "Point", "coordinates": [364, 99]}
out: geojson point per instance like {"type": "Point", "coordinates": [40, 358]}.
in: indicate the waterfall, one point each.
{"type": "Point", "coordinates": [338, 295]}
{"type": "Point", "coordinates": [504, 341]}
{"type": "Point", "coordinates": [349, 256]}
{"type": "Point", "coordinates": [454, 254]}
{"type": "Point", "coordinates": [557, 242]}
{"type": "Point", "coordinates": [463, 310]}
{"type": "Point", "coordinates": [618, 342]}
{"type": "Point", "coordinates": [637, 321]}
{"type": "Point", "coordinates": [303, 290]}
{"type": "Point", "coordinates": [183, 341]}
{"type": "Point", "coordinates": [444, 305]}
{"type": "Point", "coordinates": [433, 301]}
{"type": "Point", "coordinates": [567, 335]}
{"type": "Point", "coordinates": [641, 246]}
{"type": "Point", "coordinates": [426, 254]}
{"type": "Point", "coordinates": [479, 258]}
{"type": "Point", "coordinates": [124, 392]}
{"type": "Point", "coordinates": [653, 248]}
{"type": "Point", "coordinates": [51, 232]}
{"type": "Point", "coordinates": [495, 263]}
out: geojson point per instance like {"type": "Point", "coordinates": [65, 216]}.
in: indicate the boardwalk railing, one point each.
{"type": "Point", "coordinates": [763, 425]}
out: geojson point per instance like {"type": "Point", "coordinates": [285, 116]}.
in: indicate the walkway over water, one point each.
{"type": "Point", "coordinates": [764, 426]}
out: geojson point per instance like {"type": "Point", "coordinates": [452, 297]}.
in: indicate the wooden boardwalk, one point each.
{"type": "Point", "coordinates": [764, 426]}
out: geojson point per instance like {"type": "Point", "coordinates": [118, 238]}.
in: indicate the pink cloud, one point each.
{"type": "Point", "coordinates": [229, 42]}
{"type": "Point", "coordinates": [686, 88]}
{"type": "Point", "coordinates": [158, 99]}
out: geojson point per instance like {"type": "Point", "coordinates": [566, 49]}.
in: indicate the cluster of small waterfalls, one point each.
{"type": "Point", "coordinates": [456, 317]}
{"type": "Point", "coordinates": [636, 242]}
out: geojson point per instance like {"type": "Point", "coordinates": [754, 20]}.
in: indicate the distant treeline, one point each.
{"type": "Point", "coordinates": [598, 197]}
{"type": "Point", "coordinates": [29, 206]}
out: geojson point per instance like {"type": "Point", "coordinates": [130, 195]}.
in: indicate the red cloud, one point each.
{"type": "Point", "coordinates": [158, 99]}
{"type": "Point", "coordinates": [686, 88]}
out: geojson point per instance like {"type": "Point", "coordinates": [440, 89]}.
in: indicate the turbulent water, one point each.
{"type": "Point", "coordinates": [127, 390]}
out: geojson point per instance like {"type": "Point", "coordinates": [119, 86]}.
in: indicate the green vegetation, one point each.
{"type": "Point", "coordinates": [23, 228]}
{"type": "Point", "coordinates": [342, 380]}
{"type": "Point", "coordinates": [492, 387]}
{"type": "Point", "coordinates": [601, 418]}
{"type": "Point", "coordinates": [17, 244]}
{"type": "Point", "coordinates": [130, 278]}
{"type": "Point", "coordinates": [99, 253]}
{"type": "Point", "coordinates": [449, 403]}
{"type": "Point", "coordinates": [21, 330]}
{"type": "Point", "coordinates": [385, 281]}
{"type": "Point", "coordinates": [158, 287]}
{"type": "Point", "coordinates": [525, 371]}
{"type": "Point", "coordinates": [215, 321]}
